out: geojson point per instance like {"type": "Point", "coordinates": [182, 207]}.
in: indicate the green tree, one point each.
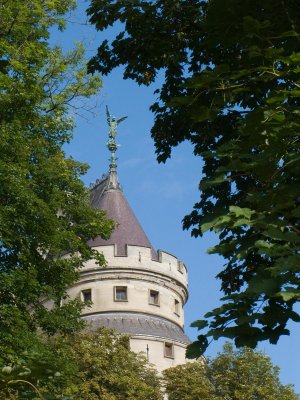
{"type": "Point", "coordinates": [44, 371]}
{"type": "Point", "coordinates": [108, 370]}
{"type": "Point", "coordinates": [231, 87]}
{"type": "Point", "coordinates": [247, 374]}
{"type": "Point", "coordinates": [44, 211]}
{"type": "Point", "coordinates": [188, 382]}
{"type": "Point", "coordinates": [233, 375]}
{"type": "Point", "coordinates": [86, 366]}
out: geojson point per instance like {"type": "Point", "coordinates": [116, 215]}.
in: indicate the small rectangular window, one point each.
{"type": "Point", "coordinates": [86, 295]}
{"type": "Point", "coordinates": [176, 307]}
{"type": "Point", "coordinates": [154, 297]}
{"type": "Point", "coordinates": [120, 293]}
{"type": "Point", "coordinates": [169, 350]}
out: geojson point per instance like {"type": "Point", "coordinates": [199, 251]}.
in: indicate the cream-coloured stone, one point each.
{"type": "Point", "coordinates": [138, 257]}
{"type": "Point", "coordinates": [153, 350]}
{"type": "Point", "coordinates": [137, 297]}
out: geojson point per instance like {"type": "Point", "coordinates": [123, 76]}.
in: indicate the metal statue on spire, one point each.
{"type": "Point", "coordinates": [112, 145]}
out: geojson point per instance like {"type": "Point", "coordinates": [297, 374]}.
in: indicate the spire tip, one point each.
{"type": "Point", "coordinates": [111, 144]}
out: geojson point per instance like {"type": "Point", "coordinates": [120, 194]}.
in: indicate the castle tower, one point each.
{"type": "Point", "coordinates": [140, 292]}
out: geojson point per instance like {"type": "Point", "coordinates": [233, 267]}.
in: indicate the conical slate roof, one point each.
{"type": "Point", "coordinates": [107, 195]}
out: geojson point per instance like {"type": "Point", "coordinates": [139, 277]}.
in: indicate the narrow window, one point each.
{"type": "Point", "coordinates": [154, 297]}
{"type": "Point", "coordinates": [169, 350]}
{"type": "Point", "coordinates": [86, 295]}
{"type": "Point", "coordinates": [176, 307]}
{"type": "Point", "coordinates": [120, 293]}
{"type": "Point", "coordinates": [180, 266]}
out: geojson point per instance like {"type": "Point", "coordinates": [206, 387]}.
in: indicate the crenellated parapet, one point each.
{"type": "Point", "coordinates": [138, 257]}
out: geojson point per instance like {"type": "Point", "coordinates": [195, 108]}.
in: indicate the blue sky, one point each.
{"type": "Point", "coordinates": [160, 194]}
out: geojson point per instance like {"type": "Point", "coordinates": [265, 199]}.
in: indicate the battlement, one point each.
{"type": "Point", "coordinates": [141, 258]}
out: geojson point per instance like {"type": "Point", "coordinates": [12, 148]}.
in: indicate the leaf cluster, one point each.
{"type": "Point", "coordinates": [107, 369]}
{"type": "Point", "coordinates": [42, 370]}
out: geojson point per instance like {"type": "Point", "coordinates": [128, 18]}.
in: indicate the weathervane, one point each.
{"type": "Point", "coordinates": [111, 144]}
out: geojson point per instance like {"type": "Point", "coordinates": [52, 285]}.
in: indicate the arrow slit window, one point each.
{"type": "Point", "coordinates": [176, 307]}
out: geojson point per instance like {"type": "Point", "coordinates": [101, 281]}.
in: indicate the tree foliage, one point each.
{"type": "Point", "coordinates": [108, 370]}
{"type": "Point", "coordinates": [86, 366]}
{"type": "Point", "coordinates": [44, 211]}
{"type": "Point", "coordinates": [187, 382]}
{"type": "Point", "coordinates": [230, 87]}
{"type": "Point", "coordinates": [43, 371]}
{"type": "Point", "coordinates": [233, 375]}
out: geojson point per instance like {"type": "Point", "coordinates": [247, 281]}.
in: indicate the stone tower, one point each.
{"type": "Point", "coordinates": [141, 292]}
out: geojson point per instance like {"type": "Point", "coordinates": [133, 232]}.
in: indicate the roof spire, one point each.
{"type": "Point", "coordinates": [112, 146]}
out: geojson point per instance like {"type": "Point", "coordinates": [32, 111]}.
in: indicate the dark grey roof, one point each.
{"type": "Point", "coordinates": [107, 195]}
{"type": "Point", "coordinates": [137, 324]}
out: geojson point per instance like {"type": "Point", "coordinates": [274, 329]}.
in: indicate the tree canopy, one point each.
{"type": "Point", "coordinates": [187, 382]}
{"type": "Point", "coordinates": [233, 375]}
{"type": "Point", "coordinates": [231, 87]}
{"type": "Point", "coordinates": [88, 366]}
{"type": "Point", "coordinates": [45, 211]}
{"type": "Point", "coordinates": [108, 370]}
